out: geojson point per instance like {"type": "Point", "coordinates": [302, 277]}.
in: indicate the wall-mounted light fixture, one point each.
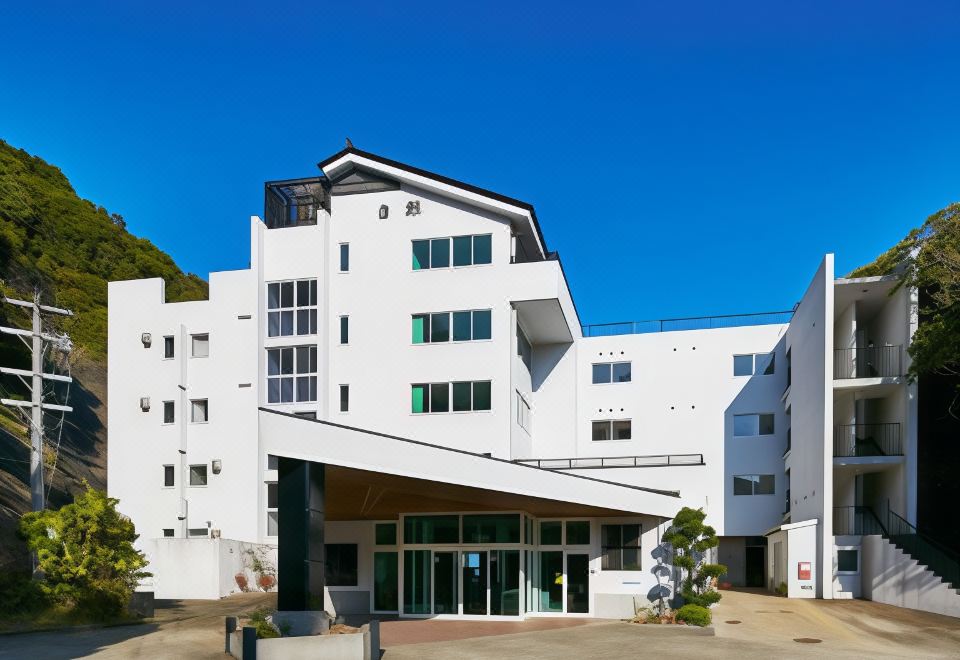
{"type": "Point", "coordinates": [217, 465]}
{"type": "Point", "coordinates": [145, 403]}
{"type": "Point", "coordinates": [147, 339]}
{"type": "Point", "coordinates": [384, 211]}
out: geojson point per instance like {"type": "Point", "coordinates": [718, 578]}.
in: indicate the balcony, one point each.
{"type": "Point", "coordinates": [868, 362]}
{"type": "Point", "coordinates": [855, 521]}
{"type": "Point", "coordinates": [864, 440]}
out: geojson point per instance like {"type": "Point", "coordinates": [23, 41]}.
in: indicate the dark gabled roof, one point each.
{"type": "Point", "coordinates": [442, 179]}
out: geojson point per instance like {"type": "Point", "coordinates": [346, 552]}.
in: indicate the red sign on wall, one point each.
{"type": "Point", "coordinates": [803, 570]}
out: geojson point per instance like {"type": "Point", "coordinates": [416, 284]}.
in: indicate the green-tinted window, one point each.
{"type": "Point", "coordinates": [482, 249]}
{"type": "Point", "coordinates": [578, 532]}
{"type": "Point", "coordinates": [431, 529]}
{"type": "Point", "coordinates": [461, 326]}
{"type": "Point", "coordinates": [481, 324]}
{"type": "Point", "coordinates": [419, 398]}
{"type": "Point", "coordinates": [481, 395]}
{"type": "Point", "coordinates": [529, 533]}
{"type": "Point", "coordinates": [492, 528]}
{"type": "Point", "coordinates": [551, 532]}
{"type": "Point", "coordinates": [421, 255]}
{"type": "Point", "coordinates": [439, 327]}
{"type": "Point", "coordinates": [439, 253]}
{"type": "Point", "coordinates": [420, 328]}
{"type": "Point", "coordinates": [462, 252]}
{"type": "Point", "coordinates": [461, 397]}
{"type": "Point", "coordinates": [386, 533]}
{"type": "Point", "coordinates": [440, 397]}
{"type": "Point", "coordinates": [416, 582]}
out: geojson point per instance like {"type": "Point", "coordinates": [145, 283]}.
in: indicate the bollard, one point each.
{"type": "Point", "coordinates": [249, 643]}
{"type": "Point", "coordinates": [229, 625]}
{"type": "Point", "coordinates": [374, 639]}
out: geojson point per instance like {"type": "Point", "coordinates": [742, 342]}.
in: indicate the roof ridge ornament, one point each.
{"type": "Point", "coordinates": [349, 144]}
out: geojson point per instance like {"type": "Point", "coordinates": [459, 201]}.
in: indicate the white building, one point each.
{"type": "Point", "coordinates": [405, 351]}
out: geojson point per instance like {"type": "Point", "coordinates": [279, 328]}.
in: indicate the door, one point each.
{"type": "Point", "coordinates": [444, 582]}
{"type": "Point", "coordinates": [475, 582]}
{"type": "Point", "coordinates": [551, 581]}
{"type": "Point", "coordinates": [505, 582]}
{"type": "Point", "coordinates": [755, 566]}
{"type": "Point", "coordinates": [578, 584]}
{"type": "Point", "coordinates": [385, 582]}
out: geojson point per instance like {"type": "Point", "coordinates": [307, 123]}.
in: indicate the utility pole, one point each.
{"type": "Point", "coordinates": [38, 338]}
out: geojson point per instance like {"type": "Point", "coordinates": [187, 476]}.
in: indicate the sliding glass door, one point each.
{"type": "Point", "coordinates": [475, 582]}
{"type": "Point", "coordinates": [445, 580]}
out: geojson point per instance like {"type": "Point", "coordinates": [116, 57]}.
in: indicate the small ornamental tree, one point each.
{"type": "Point", "coordinates": [690, 539]}
{"type": "Point", "coordinates": [85, 553]}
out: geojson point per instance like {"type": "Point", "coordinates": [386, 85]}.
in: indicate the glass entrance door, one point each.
{"type": "Point", "coordinates": [385, 582]}
{"type": "Point", "coordinates": [505, 582]}
{"type": "Point", "coordinates": [445, 582]}
{"type": "Point", "coordinates": [475, 582]}
{"type": "Point", "coordinates": [578, 584]}
{"type": "Point", "coordinates": [551, 581]}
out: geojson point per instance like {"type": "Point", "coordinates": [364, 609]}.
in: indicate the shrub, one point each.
{"type": "Point", "coordinates": [782, 589]}
{"type": "Point", "coordinates": [21, 595]}
{"type": "Point", "coordinates": [691, 539]}
{"type": "Point", "coordinates": [265, 629]}
{"type": "Point", "coordinates": [694, 615]}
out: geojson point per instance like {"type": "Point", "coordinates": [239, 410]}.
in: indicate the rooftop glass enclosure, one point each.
{"type": "Point", "coordinates": [294, 202]}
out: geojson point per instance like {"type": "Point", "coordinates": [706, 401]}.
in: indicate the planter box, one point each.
{"type": "Point", "coordinates": [355, 646]}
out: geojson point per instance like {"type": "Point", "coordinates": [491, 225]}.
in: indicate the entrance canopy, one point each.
{"type": "Point", "coordinates": [376, 476]}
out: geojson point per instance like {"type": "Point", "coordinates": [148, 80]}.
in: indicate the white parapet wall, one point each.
{"type": "Point", "coordinates": [893, 577]}
{"type": "Point", "coordinates": [203, 568]}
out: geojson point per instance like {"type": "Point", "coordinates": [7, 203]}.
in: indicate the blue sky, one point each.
{"type": "Point", "coordinates": [685, 158]}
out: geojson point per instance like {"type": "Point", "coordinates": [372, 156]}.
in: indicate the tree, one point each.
{"type": "Point", "coordinates": [85, 553]}
{"type": "Point", "coordinates": [690, 539]}
{"type": "Point", "coordinates": [928, 259]}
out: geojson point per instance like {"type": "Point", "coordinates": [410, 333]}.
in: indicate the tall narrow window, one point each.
{"type": "Point", "coordinates": [200, 346]}
{"type": "Point", "coordinates": [344, 398]}
{"type": "Point", "coordinates": [292, 308]}
{"type": "Point", "coordinates": [344, 329]}
{"type": "Point", "coordinates": [168, 348]}
{"type": "Point", "coordinates": [273, 506]}
{"type": "Point", "coordinates": [168, 476]}
{"type": "Point", "coordinates": [344, 257]}
{"type": "Point", "coordinates": [199, 411]}
{"type": "Point", "coordinates": [168, 415]}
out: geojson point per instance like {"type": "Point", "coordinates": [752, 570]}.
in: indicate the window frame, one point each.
{"type": "Point", "coordinates": [428, 397]}
{"type": "Point", "coordinates": [849, 548]}
{"type": "Point", "coordinates": [772, 365]}
{"type": "Point", "coordinates": [272, 509]}
{"type": "Point", "coordinates": [450, 251]}
{"type": "Point", "coordinates": [344, 330]}
{"type": "Point", "coordinates": [206, 475]}
{"type": "Point", "coordinates": [193, 345]}
{"type": "Point", "coordinates": [206, 411]}
{"type": "Point", "coordinates": [621, 546]}
{"type": "Point", "coordinates": [524, 413]}
{"type": "Point", "coordinates": [759, 425]}
{"type": "Point", "coordinates": [173, 475]}
{"type": "Point", "coordinates": [344, 403]}
{"type": "Point", "coordinates": [344, 258]}
{"type": "Point", "coordinates": [427, 329]}
{"type": "Point", "coordinates": [754, 484]}
{"type": "Point", "coordinates": [355, 569]}
{"type": "Point", "coordinates": [610, 423]}
{"type": "Point", "coordinates": [293, 376]}
{"type": "Point", "coordinates": [172, 342]}
{"type": "Point", "coordinates": [173, 412]}
{"type": "Point", "coordinates": [294, 309]}
{"type": "Point", "coordinates": [609, 369]}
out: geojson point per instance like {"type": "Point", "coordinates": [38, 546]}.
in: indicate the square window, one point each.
{"type": "Point", "coordinates": [764, 364]}
{"type": "Point", "coordinates": [198, 411]}
{"type": "Point", "coordinates": [440, 327]}
{"type": "Point", "coordinates": [198, 475]}
{"type": "Point", "coordinates": [168, 533]}
{"type": "Point", "coordinates": [621, 372]}
{"type": "Point", "coordinates": [461, 326]}
{"type": "Point", "coordinates": [578, 532]}
{"type": "Point", "coordinates": [601, 374]}
{"type": "Point", "coordinates": [766, 424]}
{"type": "Point", "coordinates": [168, 412]}
{"type": "Point", "coordinates": [344, 257]}
{"type": "Point", "coordinates": [273, 523]}
{"type": "Point", "coordinates": [765, 485]}
{"type": "Point", "coordinates": [746, 425]}
{"type": "Point", "coordinates": [481, 324]}
{"type": "Point", "coordinates": [341, 564]}
{"type": "Point", "coordinates": [621, 429]}
{"type": "Point", "coordinates": [200, 345]}
{"type": "Point", "coordinates": [439, 397]}
{"type": "Point", "coordinates": [440, 253]}
{"type": "Point", "coordinates": [286, 323]}
{"type": "Point", "coordinates": [743, 484]}
{"type": "Point", "coordinates": [421, 255]}
{"type": "Point", "coordinates": [848, 561]}
{"type": "Point", "coordinates": [385, 533]}
{"type": "Point", "coordinates": [743, 365]}
{"type": "Point", "coordinates": [601, 431]}
{"type": "Point", "coordinates": [462, 250]}
{"type": "Point", "coordinates": [481, 395]}
{"type": "Point", "coordinates": [168, 480]}
{"type": "Point", "coordinates": [461, 397]}
{"type": "Point", "coordinates": [168, 347]}
{"type": "Point", "coordinates": [273, 463]}
{"type": "Point", "coordinates": [482, 249]}
{"type": "Point", "coordinates": [551, 532]}
{"type": "Point", "coordinates": [344, 398]}
{"type": "Point", "coordinates": [344, 329]}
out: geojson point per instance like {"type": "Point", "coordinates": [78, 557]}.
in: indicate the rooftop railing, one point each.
{"type": "Point", "coordinates": [662, 460]}
{"type": "Point", "coordinates": [688, 323]}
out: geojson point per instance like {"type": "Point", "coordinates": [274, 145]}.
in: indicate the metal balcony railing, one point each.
{"type": "Point", "coordinates": [661, 460]}
{"type": "Point", "coordinates": [856, 521]}
{"type": "Point", "coordinates": [689, 323]}
{"type": "Point", "coordinates": [868, 362]}
{"type": "Point", "coordinates": [944, 562]}
{"type": "Point", "coordinates": [867, 440]}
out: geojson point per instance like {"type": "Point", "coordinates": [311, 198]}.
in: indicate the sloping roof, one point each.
{"type": "Point", "coordinates": [526, 206]}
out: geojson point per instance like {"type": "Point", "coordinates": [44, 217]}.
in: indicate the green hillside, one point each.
{"type": "Point", "coordinates": [70, 248]}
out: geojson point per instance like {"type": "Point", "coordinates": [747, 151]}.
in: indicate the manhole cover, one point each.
{"type": "Point", "coordinates": [731, 622]}
{"type": "Point", "coordinates": [807, 640]}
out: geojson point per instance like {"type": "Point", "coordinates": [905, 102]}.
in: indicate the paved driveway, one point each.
{"type": "Point", "coordinates": [768, 628]}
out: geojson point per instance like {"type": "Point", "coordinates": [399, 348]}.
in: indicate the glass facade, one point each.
{"type": "Point", "coordinates": [431, 529]}
{"type": "Point", "coordinates": [491, 528]}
